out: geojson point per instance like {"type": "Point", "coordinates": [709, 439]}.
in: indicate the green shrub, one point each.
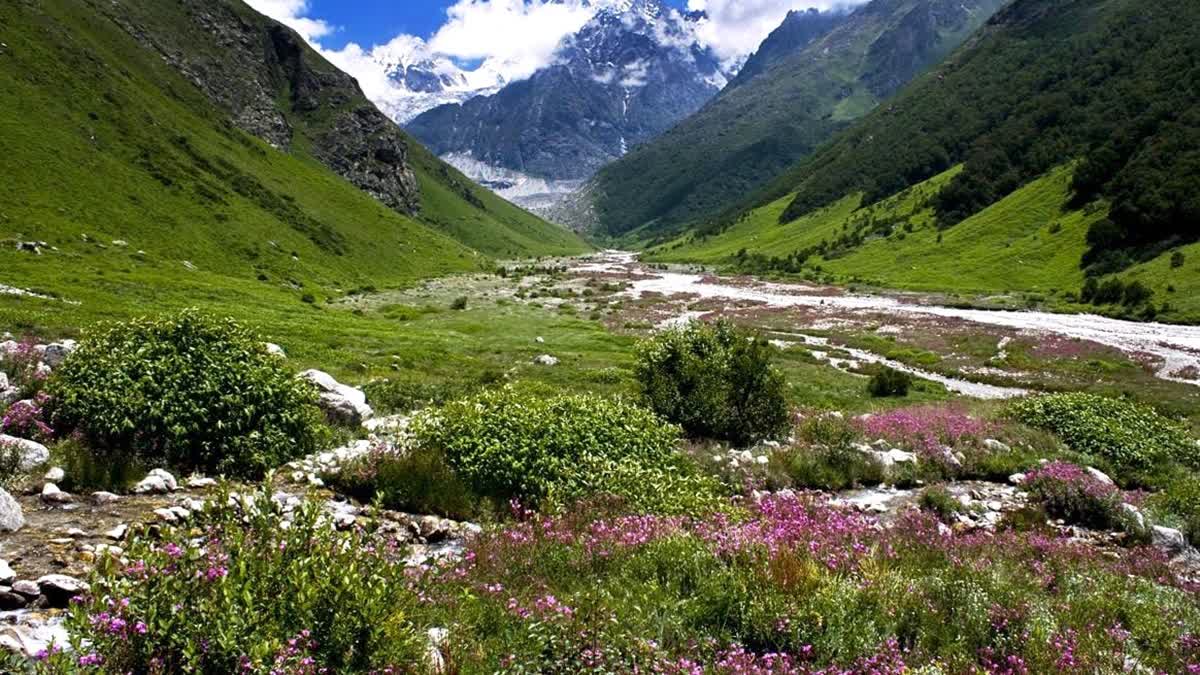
{"type": "Point", "coordinates": [417, 480]}
{"type": "Point", "coordinates": [507, 445]}
{"type": "Point", "coordinates": [1179, 504]}
{"type": "Point", "coordinates": [1069, 492]}
{"type": "Point", "coordinates": [188, 391]}
{"type": "Point", "coordinates": [889, 382]}
{"type": "Point", "coordinates": [825, 458]}
{"type": "Point", "coordinates": [214, 606]}
{"type": "Point", "coordinates": [460, 303]}
{"type": "Point", "coordinates": [715, 381]}
{"type": "Point", "coordinates": [938, 500]}
{"type": "Point", "coordinates": [1125, 433]}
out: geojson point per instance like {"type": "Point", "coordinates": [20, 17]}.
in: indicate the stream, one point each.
{"type": "Point", "coordinates": [1178, 347]}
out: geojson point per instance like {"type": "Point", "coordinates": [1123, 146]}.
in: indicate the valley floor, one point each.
{"type": "Point", "coordinates": [570, 325]}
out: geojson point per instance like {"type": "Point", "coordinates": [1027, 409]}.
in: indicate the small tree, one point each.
{"type": "Point", "coordinates": [715, 381]}
{"type": "Point", "coordinates": [889, 382]}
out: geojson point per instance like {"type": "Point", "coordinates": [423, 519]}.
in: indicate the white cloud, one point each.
{"type": "Point", "coordinates": [522, 34]}
{"type": "Point", "coordinates": [735, 28]}
{"type": "Point", "coordinates": [293, 13]}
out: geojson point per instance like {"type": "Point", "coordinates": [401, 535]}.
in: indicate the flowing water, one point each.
{"type": "Point", "coordinates": [1176, 347]}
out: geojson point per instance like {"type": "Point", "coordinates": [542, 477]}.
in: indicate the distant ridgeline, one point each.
{"type": "Point", "coordinates": [1114, 83]}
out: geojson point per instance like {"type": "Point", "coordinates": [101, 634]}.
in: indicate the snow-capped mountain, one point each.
{"type": "Point", "coordinates": [635, 69]}
{"type": "Point", "coordinates": [419, 79]}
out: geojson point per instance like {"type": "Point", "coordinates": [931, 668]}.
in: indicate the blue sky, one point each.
{"type": "Point", "coordinates": [371, 22]}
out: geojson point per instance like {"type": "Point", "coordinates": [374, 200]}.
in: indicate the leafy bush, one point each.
{"type": "Point", "coordinates": [825, 458]}
{"type": "Point", "coordinates": [460, 303]}
{"type": "Point", "coordinates": [416, 480]}
{"type": "Point", "coordinates": [213, 605]}
{"type": "Point", "coordinates": [938, 500]}
{"type": "Point", "coordinates": [1126, 433]}
{"type": "Point", "coordinates": [713, 380]}
{"type": "Point", "coordinates": [1069, 492]}
{"type": "Point", "coordinates": [507, 445]}
{"type": "Point", "coordinates": [1179, 503]}
{"type": "Point", "coordinates": [889, 382]}
{"type": "Point", "coordinates": [189, 391]}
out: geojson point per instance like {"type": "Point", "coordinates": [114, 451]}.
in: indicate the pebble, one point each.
{"type": "Point", "coordinates": [52, 495]}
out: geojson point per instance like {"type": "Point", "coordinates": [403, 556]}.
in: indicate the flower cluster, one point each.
{"type": "Point", "coordinates": [25, 419]}
{"type": "Point", "coordinates": [926, 429]}
{"type": "Point", "coordinates": [1077, 495]}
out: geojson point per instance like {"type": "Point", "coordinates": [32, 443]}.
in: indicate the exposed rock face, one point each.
{"type": "Point", "coordinates": [277, 88]}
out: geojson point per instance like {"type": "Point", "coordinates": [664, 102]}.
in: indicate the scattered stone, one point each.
{"type": "Point", "coordinates": [52, 495]}
{"type": "Point", "coordinates": [1168, 539]}
{"type": "Point", "coordinates": [275, 350]}
{"type": "Point", "coordinates": [200, 482]}
{"type": "Point", "coordinates": [437, 637]}
{"type": "Point", "coordinates": [1017, 478]}
{"type": "Point", "coordinates": [60, 588]}
{"type": "Point", "coordinates": [27, 588]}
{"type": "Point", "coordinates": [546, 360]}
{"type": "Point", "coordinates": [7, 575]}
{"type": "Point", "coordinates": [76, 533]}
{"type": "Point", "coordinates": [32, 454]}
{"type": "Point", "coordinates": [12, 518]}
{"type": "Point", "coordinates": [10, 601]}
{"type": "Point", "coordinates": [117, 533]}
{"type": "Point", "coordinates": [342, 403]}
{"type": "Point", "coordinates": [57, 352]}
{"type": "Point", "coordinates": [158, 481]}
{"type": "Point", "coordinates": [101, 498]}
{"type": "Point", "coordinates": [55, 475]}
{"type": "Point", "coordinates": [539, 339]}
{"type": "Point", "coordinates": [166, 515]}
{"type": "Point", "coordinates": [995, 445]}
{"type": "Point", "coordinates": [1099, 475]}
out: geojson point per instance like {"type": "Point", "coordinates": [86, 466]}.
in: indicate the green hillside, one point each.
{"type": "Point", "coordinates": [105, 142]}
{"type": "Point", "coordinates": [1029, 242]}
{"type": "Point", "coordinates": [759, 126]}
{"type": "Point", "coordinates": [1113, 83]}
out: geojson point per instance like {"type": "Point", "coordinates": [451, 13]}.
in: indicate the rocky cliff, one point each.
{"type": "Point", "coordinates": [277, 88]}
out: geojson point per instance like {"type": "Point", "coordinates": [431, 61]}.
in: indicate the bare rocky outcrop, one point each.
{"type": "Point", "coordinates": [277, 88]}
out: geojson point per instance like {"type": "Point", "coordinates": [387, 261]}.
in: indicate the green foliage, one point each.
{"type": "Point", "coordinates": [1125, 433]}
{"type": "Point", "coordinates": [938, 500]}
{"type": "Point", "coordinates": [506, 445]}
{"type": "Point", "coordinates": [460, 303]}
{"type": "Point", "coordinates": [217, 608]}
{"type": "Point", "coordinates": [1179, 504]}
{"type": "Point", "coordinates": [716, 381]}
{"type": "Point", "coordinates": [413, 480]}
{"type": "Point", "coordinates": [889, 382]}
{"type": "Point", "coordinates": [188, 390]}
{"type": "Point", "coordinates": [825, 457]}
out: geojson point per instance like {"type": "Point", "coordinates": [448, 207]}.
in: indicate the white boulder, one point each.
{"type": "Point", "coordinates": [32, 454]}
{"type": "Point", "coordinates": [341, 403]}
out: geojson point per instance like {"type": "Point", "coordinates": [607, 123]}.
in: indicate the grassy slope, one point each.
{"type": "Point", "coordinates": [1008, 246]}
{"type": "Point", "coordinates": [93, 127]}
